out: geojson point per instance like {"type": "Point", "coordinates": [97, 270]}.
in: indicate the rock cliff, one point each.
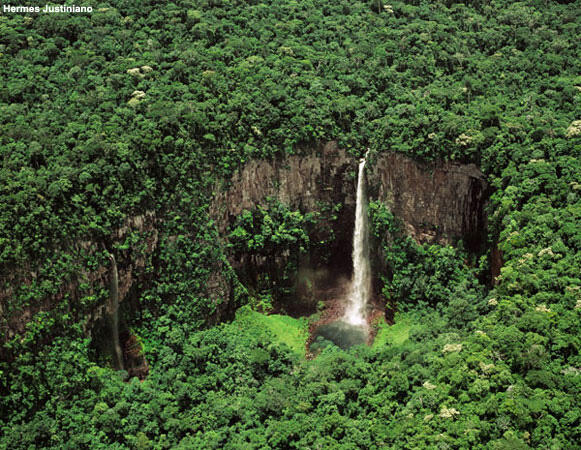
{"type": "Point", "coordinates": [311, 182]}
{"type": "Point", "coordinates": [437, 202]}
{"type": "Point", "coordinates": [131, 264]}
{"type": "Point", "coordinates": [302, 182]}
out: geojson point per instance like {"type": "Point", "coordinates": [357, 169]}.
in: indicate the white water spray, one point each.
{"type": "Point", "coordinates": [361, 282]}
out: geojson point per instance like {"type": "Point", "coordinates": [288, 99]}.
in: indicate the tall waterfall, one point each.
{"type": "Point", "coordinates": [361, 282]}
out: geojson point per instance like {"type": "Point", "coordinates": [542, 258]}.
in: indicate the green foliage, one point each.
{"type": "Point", "coordinates": [269, 242]}
{"type": "Point", "coordinates": [271, 231]}
{"type": "Point", "coordinates": [283, 329]}
{"type": "Point", "coordinates": [424, 274]}
{"type": "Point", "coordinates": [81, 152]}
{"type": "Point", "coordinates": [395, 334]}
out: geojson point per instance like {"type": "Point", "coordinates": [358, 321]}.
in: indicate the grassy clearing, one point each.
{"type": "Point", "coordinates": [294, 332]}
{"type": "Point", "coordinates": [283, 329]}
{"type": "Point", "coordinates": [395, 334]}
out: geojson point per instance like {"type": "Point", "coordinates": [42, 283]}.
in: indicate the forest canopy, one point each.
{"type": "Point", "coordinates": [115, 128]}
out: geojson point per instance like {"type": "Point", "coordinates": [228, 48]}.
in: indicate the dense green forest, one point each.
{"type": "Point", "coordinates": [140, 108]}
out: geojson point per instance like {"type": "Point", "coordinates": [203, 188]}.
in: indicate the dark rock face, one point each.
{"type": "Point", "coordinates": [299, 181]}
{"type": "Point", "coordinates": [305, 183]}
{"type": "Point", "coordinates": [439, 202]}
{"type": "Point", "coordinates": [135, 362]}
{"type": "Point", "coordinates": [315, 182]}
{"type": "Point", "coordinates": [219, 290]}
{"type": "Point", "coordinates": [131, 267]}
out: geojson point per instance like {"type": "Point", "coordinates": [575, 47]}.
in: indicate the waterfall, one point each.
{"type": "Point", "coordinates": [114, 315]}
{"type": "Point", "coordinates": [361, 282]}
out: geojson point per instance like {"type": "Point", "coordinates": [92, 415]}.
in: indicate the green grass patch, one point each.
{"type": "Point", "coordinates": [393, 335]}
{"type": "Point", "coordinates": [283, 329]}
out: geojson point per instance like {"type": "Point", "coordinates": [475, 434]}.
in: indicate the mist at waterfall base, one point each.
{"type": "Point", "coordinates": [352, 328]}
{"type": "Point", "coordinates": [340, 333]}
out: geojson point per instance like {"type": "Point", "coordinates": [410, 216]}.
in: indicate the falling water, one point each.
{"type": "Point", "coordinates": [361, 282]}
{"type": "Point", "coordinates": [114, 315]}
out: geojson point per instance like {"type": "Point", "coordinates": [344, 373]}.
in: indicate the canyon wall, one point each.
{"type": "Point", "coordinates": [131, 266]}
{"type": "Point", "coordinates": [324, 176]}
{"type": "Point", "coordinates": [436, 202]}
{"type": "Point", "coordinates": [301, 182]}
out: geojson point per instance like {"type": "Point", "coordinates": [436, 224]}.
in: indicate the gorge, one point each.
{"type": "Point", "coordinates": [436, 202]}
{"type": "Point", "coordinates": [194, 255]}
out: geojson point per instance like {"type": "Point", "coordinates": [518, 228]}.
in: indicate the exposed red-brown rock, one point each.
{"type": "Point", "coordinates": [134, 359]}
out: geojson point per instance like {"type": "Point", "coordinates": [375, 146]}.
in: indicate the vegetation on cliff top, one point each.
{"type": "Point", "coordinates": [140, 108]}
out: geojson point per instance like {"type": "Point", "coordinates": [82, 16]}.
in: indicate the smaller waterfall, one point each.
{"type": "Point", "coordinates": [114, 315]}
{"type": "Point", "coordinates": [361, 283]}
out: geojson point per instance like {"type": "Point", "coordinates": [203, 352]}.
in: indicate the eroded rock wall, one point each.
{"type": "Point", "coordinates": [324, 176]}
{"type": "Point", "coordinates": [437, 202]}
{"type": "Point", "coordinates": [131, 266]}
{"type": "Point", "coordinates": [302, 182]}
